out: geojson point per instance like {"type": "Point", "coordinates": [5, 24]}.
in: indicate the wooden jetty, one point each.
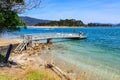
{"type": "Point", "coordinates": [58, 36]}
{"type": "Point", "coordinates": [28, 39]}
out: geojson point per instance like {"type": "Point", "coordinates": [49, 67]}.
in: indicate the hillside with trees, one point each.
{"type": "Point", "coordinates": [99, 24]}
{"type": "Point", "coordinates": [32, 21]}
{"type": "Point", "coordinates": [66, 22]}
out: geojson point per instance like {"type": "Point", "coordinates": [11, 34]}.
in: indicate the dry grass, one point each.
{"type": "Point", "coordinates": [37, 74]}
{"type": "Point", "coordinates": [30, 74]}
{"type": "Point", "coordinates": [5, 77]}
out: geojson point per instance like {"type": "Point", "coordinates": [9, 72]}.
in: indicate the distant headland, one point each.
{"type": "Point", "coordinates": [66, 22]}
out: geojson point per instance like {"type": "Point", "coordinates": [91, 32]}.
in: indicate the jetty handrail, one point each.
{"type": "Point", "coordinates": [29, 38]}
{"type": "Point", "coordinates": [65, 35]}
{"type": "Point", "coordinates": [22, 46]}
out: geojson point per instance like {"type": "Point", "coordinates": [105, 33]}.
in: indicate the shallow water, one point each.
{"type": "Point", "coordinates": [99, 53]}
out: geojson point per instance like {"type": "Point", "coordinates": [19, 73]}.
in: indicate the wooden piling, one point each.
{"type": "Point", "coordinates": [49, 41]}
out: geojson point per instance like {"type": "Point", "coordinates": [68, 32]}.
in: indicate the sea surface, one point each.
{"type": "Point", "coordinates": [99, 53]}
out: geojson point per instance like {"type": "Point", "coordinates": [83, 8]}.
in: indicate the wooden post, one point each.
{"type": "Point", "coordinates": [8, 53]}
{"type": "Point", "coordinates": [28, 38]}
{"type": "Point", "coordinates": [74, 29]}
{"type": "Point", "coordinates": [49, 41]}
{"type": "Point", "coordinates": [26, 47]}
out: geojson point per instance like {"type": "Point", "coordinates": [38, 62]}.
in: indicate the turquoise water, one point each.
{"type": "Point", "coordinates": [100, 51]}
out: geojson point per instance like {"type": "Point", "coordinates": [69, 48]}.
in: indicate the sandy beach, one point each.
{"type": "Point", "coordinates": [26, 61]}
{"type": "Point", "coordinates": [6, 42]}
{"type": "Point", "coordinates": [26, 64]}
{"type": "Point", "coordinates": [35, 58]}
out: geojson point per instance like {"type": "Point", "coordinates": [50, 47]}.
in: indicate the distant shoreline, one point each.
{"type": "Point", "coordinates": [54, 27]}
{"type": "Point", "coordinates": [72, 26]}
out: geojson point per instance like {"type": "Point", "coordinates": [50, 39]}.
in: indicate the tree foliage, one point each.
{"type": "Point", "coordinates": [66, 22]}
{"type": "Point", "coordinates": [9, 21]}
{"type": "Point", "coordinates": [9, 10]}
{"type": "Point", "coordinates": [98, 24]}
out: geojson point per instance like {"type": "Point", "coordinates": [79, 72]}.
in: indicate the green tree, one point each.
{"type": "Point", "coordinates": [10, 21]}
{"type": "Point", "coordinates": [66, 22]}
{"type": "Point", "coordinates": [9, 10]}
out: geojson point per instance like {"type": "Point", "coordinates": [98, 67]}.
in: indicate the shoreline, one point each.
{"type": "Point", "coordinates": [6, 42]}
{"type": "Point", "coordinates": [29, 58]}
{"type": "Point", "coordinates": [54, 27]}
{"type": "Point", "coordinates": [36, 59]}
{"type": "Point", "coordinates": [27, 62]}
{"type": "Point", "coordinates": [41, 55]}
{"type": "Point", "coordinates": [71, 27]}
{"type": "Point", "coordinates": [79, 72]}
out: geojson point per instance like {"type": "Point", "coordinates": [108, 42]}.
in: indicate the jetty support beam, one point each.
{"type": "Point", "coordinates": [8, 53]}
{"type": "Point", "coordinates": [49, 41]}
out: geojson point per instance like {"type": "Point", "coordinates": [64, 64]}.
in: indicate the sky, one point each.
{"type": "Point", "coordinates": [98, 11]}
